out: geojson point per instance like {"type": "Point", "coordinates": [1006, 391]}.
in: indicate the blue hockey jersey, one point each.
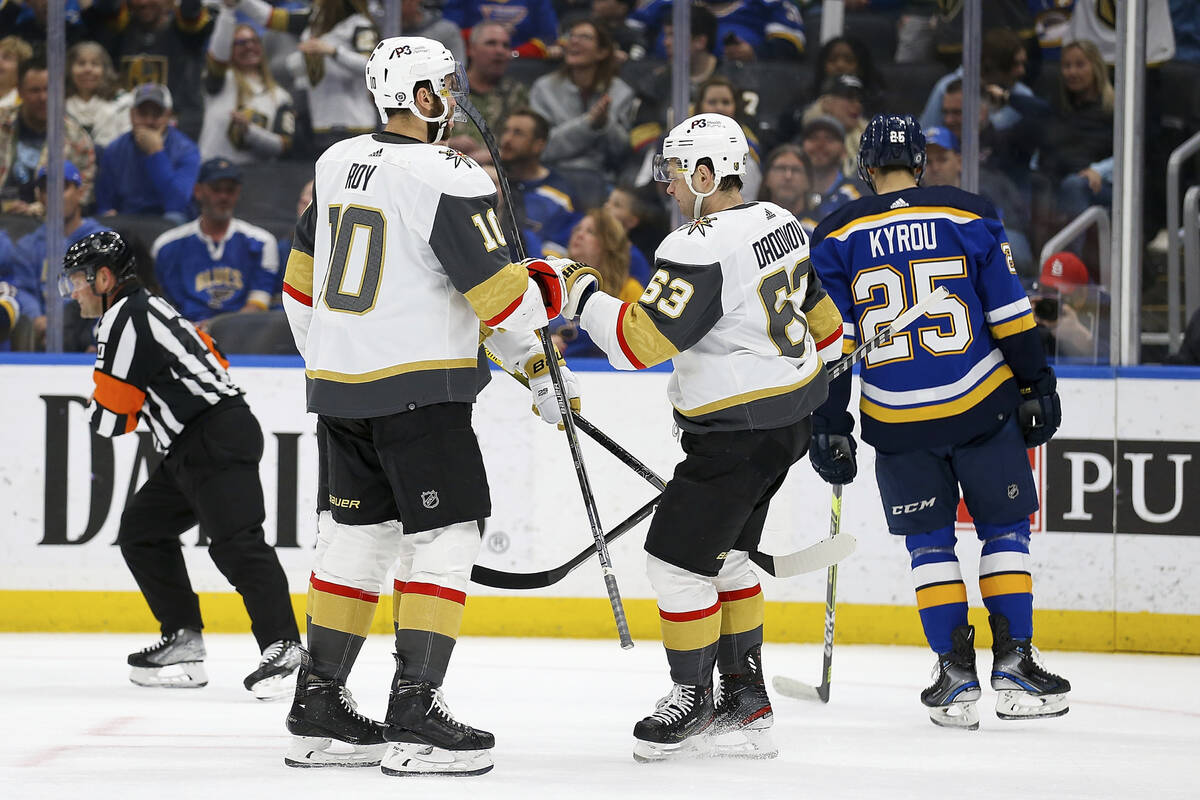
{"type": "Point", "coordinates": [203, 278]}
{"type": "Point", "coordinates": [956, 372]}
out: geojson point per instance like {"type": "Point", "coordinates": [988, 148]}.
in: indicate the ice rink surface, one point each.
{"type": "Point", "coordinates": [563, 712]}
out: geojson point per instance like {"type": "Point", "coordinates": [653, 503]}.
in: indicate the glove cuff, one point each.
{"type": "Point", "coordinates": [841, 423]}
{"type": "Point", "coordinates": [1045, 384]}
{"type": "Point", "coordinates": [534, 364]}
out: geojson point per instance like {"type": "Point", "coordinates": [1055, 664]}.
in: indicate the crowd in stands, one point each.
{"type": "Point", "coordinates": [179, 111]}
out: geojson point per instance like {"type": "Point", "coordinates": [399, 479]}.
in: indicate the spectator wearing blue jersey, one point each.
{"type": "Point", "coordinates": [950, 405]}
{"type": "Point", "coordinates": [533, 23]}
{"type": "Point", "coordinates": [748, 30]}
{"type": "Point", "coordinates": [30, 271]}
{"type": "Point", "coordinates": [150, 170]}
{"type": "Point", "coordinates": [217, 264]}
{"type": "Point", "coordinates": [824, 143]}
{"type": "Point", "coordinates": [542, 196]}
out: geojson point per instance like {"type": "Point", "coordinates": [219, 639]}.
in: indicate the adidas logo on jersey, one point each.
{"type": "Point", "coordinates": [376, 154]}
{"type": "Point", "coordinates": [769, 214]}
{"type": "Point", "coordinates": [900, 203]}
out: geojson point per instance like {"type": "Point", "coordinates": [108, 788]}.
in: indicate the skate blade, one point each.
{"type": "Point", "coordinates": [276, 687]}
{"type": "Point", "coordinates": [749, 742]}
{"type": "Point", "coordinates": [315, 751]}
{"type": "Point", "coordinates": [697, 746]}
{"type": "Point", "coordinates": [405, 759]}
{"type": "Point", "coordinates": [1015, 704]}
{"type": "Point", "coordinates": [185, 675]}
{"type": "Point", "coordinates": [962, 715]}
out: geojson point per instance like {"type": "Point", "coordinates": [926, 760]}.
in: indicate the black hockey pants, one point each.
{"type": "Point", "coordinates": [210, 477]}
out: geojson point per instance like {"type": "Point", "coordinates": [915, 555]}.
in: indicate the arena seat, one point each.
{"type": "Point", "coordinates": [262, 334]}
{"type": "Point", "coordinates": [269, 192]}
{"type": "Point", "coordinates": [908, 86]}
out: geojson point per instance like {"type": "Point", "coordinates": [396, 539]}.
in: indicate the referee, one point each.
{"type": "Point", "coordinates": [154, 365]}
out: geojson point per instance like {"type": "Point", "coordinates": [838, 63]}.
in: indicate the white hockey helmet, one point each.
{"type": "Point", "coordinates": [399, 63]}
{"type": "Point", "coordinates": [714, 136]}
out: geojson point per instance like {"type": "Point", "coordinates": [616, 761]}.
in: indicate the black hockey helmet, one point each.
{"type": "Point", "coordinates": [100, 249]}
{"type": "Point", "coordinates": [891, 140]}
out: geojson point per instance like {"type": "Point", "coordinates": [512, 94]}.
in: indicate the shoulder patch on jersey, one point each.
{"type": "Point", "coordinates": [700, 225]}
{"type": "Point", "coordinates": [457, 158]}
{"type": "Point", "coordinates": [900, 203]}
{"type": "Point", "coordinates": [769, 214]}
{"type": "Point", "coordinates": [376, 154]}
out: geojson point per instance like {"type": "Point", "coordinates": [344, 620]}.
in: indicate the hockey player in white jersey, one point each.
{"type": "Point", "coordinates": [733, 301]}
{"type": "Point", "coordinates": [394, 266]}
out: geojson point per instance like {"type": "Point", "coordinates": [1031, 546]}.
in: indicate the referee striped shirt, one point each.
{"type": "Point", "coordinates": [153, 364]}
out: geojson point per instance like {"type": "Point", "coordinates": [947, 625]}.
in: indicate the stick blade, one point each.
{"type": "Point", "coordinates": [822, 555]}
{"type": "Point", "coordinates": [798, 690]}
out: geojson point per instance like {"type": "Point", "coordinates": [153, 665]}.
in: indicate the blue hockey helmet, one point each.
{"type": "Point", "coordinates": [891, 140]}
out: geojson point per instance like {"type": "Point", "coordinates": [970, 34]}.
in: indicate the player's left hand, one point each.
{"type": "Point", "coordinates": [545, 402]}
{"type": "Point", "coordinates": [832, 456]}
{"type": "Point", "coordinates": [1040, 412]}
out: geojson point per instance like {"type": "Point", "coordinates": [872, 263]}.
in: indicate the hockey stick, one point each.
{"type": "Point", "coordinates": [564, 405]}
{"type": "Point", "coordinates": [540, 580]}
{"type": "Point", "coordinates": [790, 687]}
{"type": "Point", "coordinates": [828, 552]}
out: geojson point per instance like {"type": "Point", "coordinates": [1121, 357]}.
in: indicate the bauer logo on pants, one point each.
{"type": "Point", "coordinates": [430, 499]}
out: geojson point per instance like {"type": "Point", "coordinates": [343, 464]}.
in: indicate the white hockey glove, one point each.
{"type": "Point", "coordinates": [580, 280]}
{"type": "Point", "coordinates": [545, 403]}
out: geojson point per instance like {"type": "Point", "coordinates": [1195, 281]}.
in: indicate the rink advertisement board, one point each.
{"type": "Point", "coordinates": [1116, 546]}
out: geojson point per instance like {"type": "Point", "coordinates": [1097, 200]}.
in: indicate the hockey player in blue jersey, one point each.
{"type": "Point", "coordinates": [951, 403]}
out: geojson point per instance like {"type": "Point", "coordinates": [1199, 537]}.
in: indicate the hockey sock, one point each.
{"type": "Point", "coordinates": [690, 638]}
{"type": "Point", "coordinates": [941, 593]}
{"type": "Point", "coordinates": [1004, 578]}
{"type": "Point", "coordinates": [427, 620]}
{"type": "Point", "coordinates": [741, 627]}
{"type": "Point", "coordinates": [339, 618]}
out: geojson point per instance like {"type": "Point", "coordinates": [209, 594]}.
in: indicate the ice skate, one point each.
{"type": "Point", "coordinates": [743, 718]}
{"type": "Point", "coordinates": [275, 677]}
{"type": "Point", "coordinates": [955, 690]}
{"type": "Point", "coordinates": [176, 661]}
{"type": "Point", "coordinates": [427, 739]}
{"type": "Point", "coordinates": [1024, 689]}
{"type": "Point", "coordinates": [676, 728]}
{"type": "Point", "coordinates": [326, 728]}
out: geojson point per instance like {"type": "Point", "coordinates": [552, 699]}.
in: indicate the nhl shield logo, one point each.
{"type": "Point", "coordinates": [1013, 491]}
{"type": "Point", "coordinates": [430, 499]}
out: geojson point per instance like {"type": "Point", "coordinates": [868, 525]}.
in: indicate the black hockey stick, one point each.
{"type": "Point", "coordinates": [540, 580]}
{"type": "Point", "coordinates": [791, 687]}
{"type": "Point", "coordinates": [564, 405]}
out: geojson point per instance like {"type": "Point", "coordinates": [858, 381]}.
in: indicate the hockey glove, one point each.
{"type": "Point", "coordinates": [1040, 412]}
{"type": "Point", "coordinates": [832, 448]}
{"type": "Point", "coordinates": [545, 403]}
{"type": "Point", "coordinates": [581, 281]}
{"type": "Point", "coordinates": [549, 282]}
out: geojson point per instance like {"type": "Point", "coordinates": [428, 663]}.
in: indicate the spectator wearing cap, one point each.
{"type": "Point", "coordinates": [824, 143]}
{"type": "Point", "coordinates": [150, 170]}
{"type": "Point", "coordinates": [842, 98]}
{"type": "Point", "coordinates": [29, 269]}
{"type": "Point", "coordinates": [217, 264]}
{"type": "Point", "coordinates": [247, 116]}
{"type": "Point", "coordinates": [493, 92]}
{"type": "Point", "coordinates": [23, 143]}
{"type": "Point", "coordinates": [1069, 309]}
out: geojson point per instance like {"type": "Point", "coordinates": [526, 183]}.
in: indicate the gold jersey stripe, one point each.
{"type": "Point", "coordinates": [498, 292]}
{"type": "Point", "coordinates": [939, 410]}
{"type": "Point", "coordinates": [299, 271]}
{"type": "Point", "coordinates": [941, 595]}
{"type": "Point", "coordinates": [693, 634]}
{"type": "Point", "coordinates": [422, 612]}
{"type": "Point", "coordinates": [1008, 583]}
{"type": "Point", "coordinates": [823, 319]}
{"type": "Point", "coordinates": [739, 616]}
{"type": "Point", "coordinates": [640, 338]}
{"type": "Point", "coordinates": [1013, 326]}
{"type": "Point", "coordinates": [388, 372]}
{"type": "Point", "coordinates": [746, 397]}
{"type": "Point", "coordinates": [339, 613]}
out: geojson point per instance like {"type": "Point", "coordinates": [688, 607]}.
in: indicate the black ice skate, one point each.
{"type": "Point", "coordinates": [955, 690]}
{"type": "Point", "coordinates": [176, 661]}
{"type": "Point", "coordinates": [1024, 689]}
{"type": "Point", "coordinates": [326, 728]}
{"type": "Point", "coordinates": [274, 679]}
{"type": "Point", "coordinates": [426, 738]}
{"type": "Point", "coordinates": [743, 716]}
{"type": "Point", "coordinates": [677, 727]}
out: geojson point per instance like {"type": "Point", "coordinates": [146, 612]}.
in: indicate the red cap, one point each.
{"type": "Point", "coordinates": [1064, 271]}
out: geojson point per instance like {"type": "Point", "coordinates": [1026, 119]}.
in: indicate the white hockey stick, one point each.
{"type": "Point", "coordinates": [838, 546]}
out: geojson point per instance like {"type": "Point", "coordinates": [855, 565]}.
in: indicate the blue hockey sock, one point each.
{"type": "Point", "coordinates": [1004, 578]}
{"type": "Point", "coordinates": [941, 593]}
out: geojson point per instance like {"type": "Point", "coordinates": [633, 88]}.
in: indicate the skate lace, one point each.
{"type": "Point", "coordinates": [443, 710]}
{"type": "Point", "coordinates": [161, 642]}
{"type": "Point", "coordinates": [1035, 657]}
{"type": "Point", "coordinates": [348, 703]}
{"type": "Point", "coordinates": [272, 652]}
{"type": "Point", "coordinates": [676, 705]}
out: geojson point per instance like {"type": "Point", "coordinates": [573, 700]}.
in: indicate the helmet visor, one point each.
{"type": "Point", "coordinates": [455, 83]}
{"type": "Point", "coordinates": [68, 282]}
{"type": "Point", "coordinates": [667, 169]}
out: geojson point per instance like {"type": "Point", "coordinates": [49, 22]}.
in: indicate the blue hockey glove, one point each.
{"type": "Point", "coordinates": [1040, 412]}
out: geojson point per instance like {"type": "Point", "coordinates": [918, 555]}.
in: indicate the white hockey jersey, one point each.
{"type": "Point", "coordinates": [393, 266]}
{"type": "Point", "coordinates": [735, 303]}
